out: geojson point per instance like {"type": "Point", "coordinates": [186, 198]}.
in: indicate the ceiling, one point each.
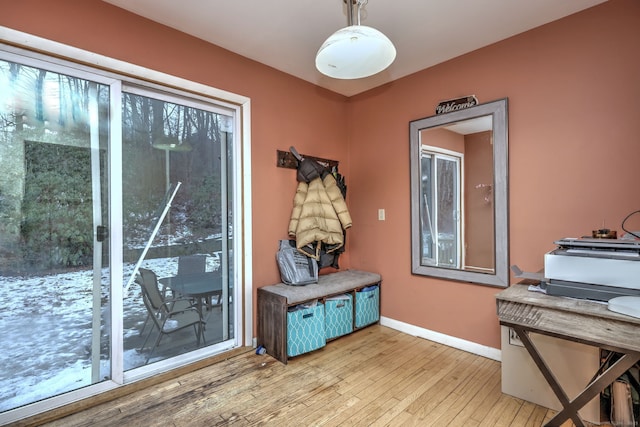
{"type": "Point", "coordinates": [286, 34]}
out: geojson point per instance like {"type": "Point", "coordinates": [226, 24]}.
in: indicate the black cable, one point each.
{"type": "Point", "coordinates": [624, 220]}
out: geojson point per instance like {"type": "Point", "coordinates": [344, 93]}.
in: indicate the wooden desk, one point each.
{"type": "Point", "coordinates": [582, 321]}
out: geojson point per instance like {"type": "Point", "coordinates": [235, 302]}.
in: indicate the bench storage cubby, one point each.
{"type": "Point", "coordinates": [338, 316]}
{"type": "Point", "coordinates": [285, 332]}
{"type": "Point", "coordinates": [367, 306]}
{"type": "Point", "coordinates": [305, 328]}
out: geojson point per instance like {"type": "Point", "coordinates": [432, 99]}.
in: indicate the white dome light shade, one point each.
{"type": "Point", "coordinates": [355, 52]}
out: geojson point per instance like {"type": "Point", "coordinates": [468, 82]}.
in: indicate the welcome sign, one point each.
{"type": "Point", "coordinates": [456, 104]}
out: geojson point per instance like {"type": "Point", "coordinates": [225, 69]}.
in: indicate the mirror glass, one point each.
{"type": "Point", "coordinates": [459, 195]}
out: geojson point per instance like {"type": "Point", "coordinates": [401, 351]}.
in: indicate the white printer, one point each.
{"type": "Point", "coordinates": [598, 269]}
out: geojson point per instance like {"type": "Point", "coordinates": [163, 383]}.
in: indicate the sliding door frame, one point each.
{"type": "Point", "coordinates": [63, 58]}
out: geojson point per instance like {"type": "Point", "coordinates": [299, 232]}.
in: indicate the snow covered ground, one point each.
{"type": "Point", "coordinates": [45, 331]}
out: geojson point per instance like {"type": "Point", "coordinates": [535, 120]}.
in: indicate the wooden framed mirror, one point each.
{"type": "Point", "coordinates": [459, 209]}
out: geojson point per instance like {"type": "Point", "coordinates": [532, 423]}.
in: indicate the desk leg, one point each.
{"type": "Point", "coordinates": [551, 379]}
{"type": "Point", "coordinates": [595, 387]}
{"type": "Point", "coordinates": [571, 407]}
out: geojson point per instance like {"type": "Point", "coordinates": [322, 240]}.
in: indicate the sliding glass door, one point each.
{"type": "Point", "coordinates": [117, 231]}
{"type": "Point", "coordinates": [177, 229]}
{"type": "Point", "coordinates": [54, 263]}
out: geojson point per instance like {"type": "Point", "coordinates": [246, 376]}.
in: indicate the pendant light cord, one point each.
{"type": "Point", "coordinates": [360, 4]}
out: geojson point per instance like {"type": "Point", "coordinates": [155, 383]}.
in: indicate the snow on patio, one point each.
{"type": "Point", "coordinates": [46, 330]}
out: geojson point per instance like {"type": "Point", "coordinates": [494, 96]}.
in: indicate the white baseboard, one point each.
{"type": "Point", "coordinates": [468, 346]}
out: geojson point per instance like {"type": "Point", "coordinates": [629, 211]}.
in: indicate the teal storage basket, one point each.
{"type": "Point", "coordinates": [338, 316]}
{"type": "Point", "coordinates": [367, 306]}
{"type": "Point", "coordinates": [305, 330]}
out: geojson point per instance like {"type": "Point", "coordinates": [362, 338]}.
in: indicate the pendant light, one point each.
{"type": "Point", "coordinates": [356, 51]}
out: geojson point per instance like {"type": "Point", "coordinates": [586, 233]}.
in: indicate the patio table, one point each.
{"type": "Point", "coordinates": [199, 286]}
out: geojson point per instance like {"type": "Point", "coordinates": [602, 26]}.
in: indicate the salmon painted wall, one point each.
{"type": "Point", "coordinates": [574, 118]}
{"type": "Point", "coordinates": [572, 86]}
{"type": "Point", "coordinates": [285, 110]}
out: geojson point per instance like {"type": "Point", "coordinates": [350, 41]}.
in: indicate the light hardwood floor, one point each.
{"type": "Point", "coordinates": [374, 377]}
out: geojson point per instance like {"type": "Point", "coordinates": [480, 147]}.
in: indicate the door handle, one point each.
{"type": "Point", "coordinates": [102, 233]}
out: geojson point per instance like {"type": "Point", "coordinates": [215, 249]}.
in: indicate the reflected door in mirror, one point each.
{"type": "Point", "coordinates": [440, 210]}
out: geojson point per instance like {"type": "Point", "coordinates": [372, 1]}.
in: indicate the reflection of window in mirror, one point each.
{"type": "Point", "coordinates": [459, 195]}
{"type": "Point", "coordinates": [441, 173]}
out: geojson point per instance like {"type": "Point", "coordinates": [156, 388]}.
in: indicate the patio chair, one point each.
{"type": "Point", "coordinates": [195, 264]}
{"type": "Point", "coordinates": [158, 297]}
{"type": "Point", "coordinates": [192, 264]}
{"type": "Point", "coordinates": [168, 315]}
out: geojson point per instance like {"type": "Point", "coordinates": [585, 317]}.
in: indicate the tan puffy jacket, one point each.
{"type": "Point", "coordinates": [319, 215]}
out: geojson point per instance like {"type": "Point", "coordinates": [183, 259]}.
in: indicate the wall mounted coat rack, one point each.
{"type": "Point", "coordinates": [287, 160]}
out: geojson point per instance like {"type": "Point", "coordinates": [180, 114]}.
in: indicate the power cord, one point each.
{"type": "Point", "coordinates": [624, 220]}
